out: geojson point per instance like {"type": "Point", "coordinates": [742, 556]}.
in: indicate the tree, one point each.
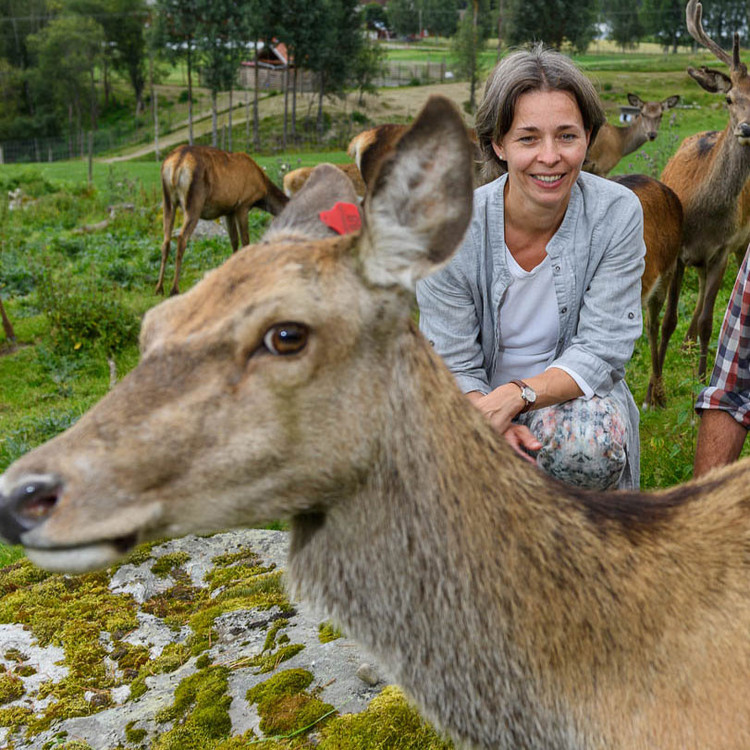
{"type": "Point", "coordinates": [175, 29]}
{"type": "Point", "coordinates": [440, 17]}
{"type": "Point", "coordinates": [216, 41]}
{"type": "Point", "coordinates": [404, 17]}
{"type": "Point", "coordinates": [465, 46]}
{"type": "Point", "coordinates": [67, 51]}
{"type": "Point", "coordinates": [369, 64]}
{"type": "Point", "coordinates": [664, 20]}
{"type": "Point", "coordinates": [625, 27]}
{"type": "Point", "coordinates": [552, 22]}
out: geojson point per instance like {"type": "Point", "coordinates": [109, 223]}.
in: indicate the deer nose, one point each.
{"type": "Point", "coordinates": [27, 506]}
{"type": "Point", "coordinates": [744, 130]}
{"type": "Point", "coordinates": [652, 135]}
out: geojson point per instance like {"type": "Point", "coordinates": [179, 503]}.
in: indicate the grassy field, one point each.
{"type": "Point", "coordinates": [54, 276]}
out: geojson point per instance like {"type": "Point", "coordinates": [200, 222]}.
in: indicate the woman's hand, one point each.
{"type": "Point", "coordinates": [500, 407]}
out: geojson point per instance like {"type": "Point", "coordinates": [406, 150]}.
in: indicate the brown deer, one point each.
{"type": "Point", "coordinates": [613, 142]}
{"type": "Point", "coordinates": [207, 183]}
{"type": "Point", "coordinates": [294, 180]}
{"type": "Point", "coordinates": [708, 172]}
{"type": "Point", "coordinates": [662, 233]}
{"type": "Point", "coordinates": [292, 382]}
{"type": "Point", "coordinates": [370, 147]}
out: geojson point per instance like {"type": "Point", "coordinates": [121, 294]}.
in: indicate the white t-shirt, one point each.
{"type": "Point", "coordinates": [528, 325]}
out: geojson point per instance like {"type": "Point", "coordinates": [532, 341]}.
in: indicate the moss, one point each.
{"type": "Point", "coordinates": [19, 575]}
{"type": "Point", "coordinates": [14, 654]}
{"type": "Point", "coordinates": [11, 688]}
{"type": "Point", "coordinates": [140, 554]}
{"type": "Point", "coordinates": [200, 712]}
{"type": "Point", "coordinates": [389, 721]}
{"type": "Point", "coordinates": [327, 632]}
{"type": "Point", "coordinates": [177, 604]}
{"type": "Point", "coordinates": [284, 705]}
{"type": "Point", "coordinates": [167, 563]}
{"type": "Point", "coordinates": [134, 735]}
{"type": "Point", "coordinates": [203, 661]}
{"type": "Point", "coordinates": [24, 670]}
{"type": "Point", "coordinates": [15, 716]}
{"type": "Point", "coordinates": [171, 658]}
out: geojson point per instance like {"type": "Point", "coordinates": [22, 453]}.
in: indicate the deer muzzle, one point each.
{"type": "Point", "coordinates": [27, 505]}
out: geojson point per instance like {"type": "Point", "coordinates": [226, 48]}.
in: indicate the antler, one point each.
{"type": "Point", "coordinates": [693, 16]}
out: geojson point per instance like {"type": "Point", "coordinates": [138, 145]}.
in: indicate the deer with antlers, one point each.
{"type": "Point", "coordinates": [709, 172]}
{"type": "Point", "coordinates": [613, 142]}
{"type": "Point", "coordinates": [292, 382]}
{"type": "Point", "coordinates": [207, 183]}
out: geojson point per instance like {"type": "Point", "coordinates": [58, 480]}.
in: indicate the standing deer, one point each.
{"type": "Point", "coordinates": [708, 172]}
{"type": "Point", "coordinates": [291, 382]}
{"type": "Point", "coordinates": [207, 183]}
{"type": "Point", "coordinates": [613, 142]}
{"type": "Point", "coordinates": [662, 234]}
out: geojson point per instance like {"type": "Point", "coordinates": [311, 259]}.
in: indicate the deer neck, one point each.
{"type": "Point", "coordinates": [458, 542]}
{"type": "Point", "coordinates": [632, 136]}
{"type": "Point", "coordinates": [723, 176]}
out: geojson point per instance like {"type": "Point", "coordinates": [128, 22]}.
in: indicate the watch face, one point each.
{"type": "Point", "coordinates": [527, 394]}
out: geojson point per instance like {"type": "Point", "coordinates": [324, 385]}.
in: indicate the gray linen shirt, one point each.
{"type": "Point", "coordinates": [597, 257]}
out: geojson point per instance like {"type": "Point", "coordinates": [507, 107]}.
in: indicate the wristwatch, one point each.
{"type": "Point", "coordinates": [528, 394]}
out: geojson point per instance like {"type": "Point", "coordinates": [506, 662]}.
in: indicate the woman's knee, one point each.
{"type": "Point", "coordinates": [583, 442]}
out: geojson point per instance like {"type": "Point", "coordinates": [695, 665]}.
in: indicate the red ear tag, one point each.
{"type": "Point", "coordinates": [342, 218]}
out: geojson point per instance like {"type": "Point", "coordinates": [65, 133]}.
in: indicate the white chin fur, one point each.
{"type": "Point", "coordinates": [74, 560]}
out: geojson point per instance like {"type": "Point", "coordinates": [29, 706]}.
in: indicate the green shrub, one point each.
{"type": "Point", "coordinates": [85, 312]}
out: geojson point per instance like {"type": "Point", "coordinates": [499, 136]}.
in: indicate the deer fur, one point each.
{"type": "Point", "coordinates": [613, 142]}
{"type": "Point", "coordinates": [662, 233]}
{"type": "Point", "coordinates": [517, 612]}
{"type": "Point", "coordinates": [709, 172]}
{"type": "Point", "coordinates": [370, 147]}
{"type": "Point", "coordinates": [207, 183]}
{"type": "Point", "coordinates": [294, 180]}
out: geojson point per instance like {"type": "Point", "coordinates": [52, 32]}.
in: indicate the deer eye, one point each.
{"type": "Point", "coordinates": [286, 338]}
{"type": "Point", "coordinates": [729, 100]}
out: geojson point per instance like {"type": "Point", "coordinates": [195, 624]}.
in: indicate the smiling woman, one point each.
{"type": "Point", "coordinates": [538, 312]}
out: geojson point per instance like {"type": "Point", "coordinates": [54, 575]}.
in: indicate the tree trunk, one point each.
{"type": "Point", "coordinates": [190, 92]}
{"type": "Point", "coordinates": [256, 134]}
{"type": "Point", "coordinates": [320, 105]}
{"type": "Point", "coordinates": [229, 133]}
{"type": "Point", "coordinates": [475, 53]}
{"type": "Point", "coordinates": [286, 104]}
{"type": "Point", "coordinates": [294, 107]}
{"type": "Point", "coordinates": [247, 120]}
{"type": "Point", "coordinates": [154, 107]}
{"type": "Point", "coordinates": [214, 120]}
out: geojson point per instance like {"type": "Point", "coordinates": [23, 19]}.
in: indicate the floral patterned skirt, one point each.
{"type": "Point", "coordinates": [583, 441]}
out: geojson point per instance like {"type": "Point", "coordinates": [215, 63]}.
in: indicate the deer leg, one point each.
{"type": "Point", "coordinates": [170, 211]}
{"type": "Point", "coordinates": [191, 222]}
{"type": "Point", "coordinates": [692, 332]}
{"type": "Point", "coordinates": [655, 394]}
{"type": "Point", "coordinates": [714, 278]}
{"type": "Point", "coordinates": [242, 224]}
{"type": "Point", "coordinates": [669, 322]}
{"type": "Point", "coordinates": [230, 222]}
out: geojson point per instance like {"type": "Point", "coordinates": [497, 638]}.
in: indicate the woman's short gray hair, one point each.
{"type": "Point", "coordinates": [535, 69]}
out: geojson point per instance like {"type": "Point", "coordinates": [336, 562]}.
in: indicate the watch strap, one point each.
{"type": "Point", "coordinates": [527, 404]}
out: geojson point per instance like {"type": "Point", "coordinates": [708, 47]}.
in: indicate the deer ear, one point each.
{"type": "Point", "coordinates": [712, 80]}
{"type": "Point", "coordinates": [635, 100]}
{"type": "Point", "coordinates": [420, 203]}
{"type": "Point", "coordinates": [671, 101]}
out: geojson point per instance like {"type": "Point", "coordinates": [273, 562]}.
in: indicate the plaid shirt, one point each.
{"type": "Point", "coordinates": [729, 387]}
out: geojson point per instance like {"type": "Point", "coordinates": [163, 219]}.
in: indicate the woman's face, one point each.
{"type": "Point", "coordinates": [544, 148]}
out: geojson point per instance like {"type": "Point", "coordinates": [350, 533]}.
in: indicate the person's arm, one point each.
{"type": "Point", "coordinates": [609, 320]}
{"type": "Point", "coordinates": [720, 441]}
{"type": "Point", "coordinates": [504, 403]}
{"type": "Point", "coordinates": [724, 405]}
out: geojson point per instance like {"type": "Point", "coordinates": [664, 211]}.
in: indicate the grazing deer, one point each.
{"type": "Point", "coordinates": [613, 142]}
{"type": "Point", "coordinates": [518, 612]}
{"type": "Point", "coordinates": [294, 180]}
{"type": "Point", "coordinates": [708, 172]}
{"type": "Point", "coordinates": [662, 234]}
{"type": "Point", "coordinates": [207, 183]}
